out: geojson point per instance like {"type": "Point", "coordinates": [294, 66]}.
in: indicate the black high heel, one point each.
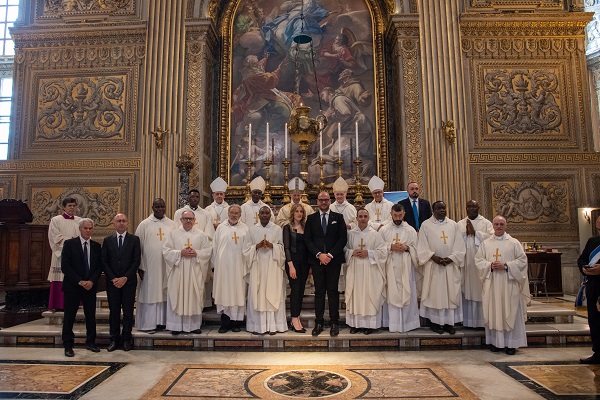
{"type": "Point", "coordinates": [303, 330]}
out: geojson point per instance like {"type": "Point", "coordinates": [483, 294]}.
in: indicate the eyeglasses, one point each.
{"type": "Point", "coordinates": [323, 199]}
{"type": "Point", "coordinates": [121, 220]}
{"type": "Point", "coordinates": [188, 219]}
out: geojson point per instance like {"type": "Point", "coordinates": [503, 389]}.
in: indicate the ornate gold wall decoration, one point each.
{"type": "Point", "coordinates": [81, 108]}
{"type": "Point", "coordinates": [71, 165]}
{"type": "Point", "coordinates": [496, 5]}
{"type": "Point", "coordinates": [50, 9]}
{"type": "Point", "coordinates": [8, 184]}
{"type": "Point", "coordinates": [593, 177]}
{"type": "Point", "coordinates": [534, 158]}
{"type": "Point", "coordinates": [531, 202]}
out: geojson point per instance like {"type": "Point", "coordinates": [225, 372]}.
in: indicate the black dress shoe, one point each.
{"type": "Point", "coordinates": [450, 329]}
{"type": "Point", "coordinates": [317, 329]}
{"type": "Point", "coordinates": [112, 346]}
{"type": "Point", "coordinates": [236, 329]}
{"type": "Point", "coordinates": [69, 353]}
{"type": "Point", "coordinates": [354, 330]}
{"type": "Point", "coordinates": [335, 329]}
{"type": "Point", "coordinates": [160, 328]}
{"type": "Point", "coordinates": [436, 328]}
{"type": "Point", "coordinates": [127, 346]}
{"type": "Point", "coordinates": [510, 351]}
{"type": "Point", "coordinates": [197, 331]}
{"type": "Point", "coordinates": [593, 359]}
{"type": "Point", "coordinates": [368, 331]}
{"type": "Point", "coordinates": [272, 333]}
{"type": "Point", "coordinates": [223, 329]}
{"type": "Point", "coordinates": [494, 349]}
{"type": "Point", "coordinates": [92, 347]}
{"type": "Point", "coordinates": [175, 333]}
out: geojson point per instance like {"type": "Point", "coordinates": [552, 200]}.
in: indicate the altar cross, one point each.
{"type": "Point", "coordinates": [497, 255]}
{"type": "Point", "coordinates": [160, 234]}
{"type": "Point", "coordinates": [444, 237]}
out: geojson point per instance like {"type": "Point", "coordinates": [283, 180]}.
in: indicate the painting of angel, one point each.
{"type": "Point", "coordinates": [271, 74]}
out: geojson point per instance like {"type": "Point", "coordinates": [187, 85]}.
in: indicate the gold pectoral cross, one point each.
{"type": "Point", "coordinates": [361, 245]}
{"type": "Point", "coordinates": [188, 244]}
{"type": "Point", "coordinates": [265, 238]}
{"type": "Point", "coordinates": [235, 237]}
{"type": "Point", "coordinates": [396, 240]}
{"type": "Point", "coordinates": [160, 234]}
{"type": "Point", "coordinates": [377, 213]}
{"type": "Point", "coordinates": [256, 218]}
{"type": "Point", "coordinates": [217, 220]}
{"type": "Point", "coordinates": [497, 255]}
{"type": "Point", "coordinates": [444, 237]}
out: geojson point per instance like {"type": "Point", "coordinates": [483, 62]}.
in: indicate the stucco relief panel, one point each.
{"type": "Point", "coordinates": [524, 105]}
{"type": "Point", "coordinates": [97, 198]}
{"type": "Point", "coordinates": [82, 112]}
{"type": "Point", "coordinates": [52, 9]}
{"type": "Point", "coordinates": [8, 184]}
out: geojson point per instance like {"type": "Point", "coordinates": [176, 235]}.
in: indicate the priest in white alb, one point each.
{"type": "Point", "coordinates": [342, 206]}
{"type": "Point", "coordinates": [296, 186]}
{"type": "Point", "coordinates": [365, 277]}
{"type": "Point", "coordinates": [151, 306]}
{"type": "Point", "coordinates": [218, 208]}
{"type": "Point", "coordinates": [62, 227]}
{"type": "Point", "coordinates": [187, 253]}
{"type": "Point", "coordinates": [265, 257]}
{"type": "Point", "coordinates": [441, 253]}
{"type": "Point", "coordinates": [380, 208]}
{"type": "Point", "coordinates": [401, 309]}
{"type": "Point", "coordinates": [251, 208]}
{"type": "Point", "coordinates": [229, 286]}
{"type": "Point", "coordinates": [474, 229]}
{"type": "Point", "coordinates": [502, 266]}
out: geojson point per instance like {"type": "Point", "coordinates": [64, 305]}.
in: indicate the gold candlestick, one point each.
{"type": "Point", "coordinates": [286, 176]}
{"type": "Point", "coordinates": [267, 195]}
{"type": "Point", "coordinates": [339, 162]}
{"type": "Point", "coordinates": [249, 164]}
{"type": "Point", "coordinates": [358, 199]}
{"type": "Point", "coordinates": [321, 163]}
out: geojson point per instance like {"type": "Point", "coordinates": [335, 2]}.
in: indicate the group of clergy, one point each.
{"type": "Point", "coordinates": [470, 272]}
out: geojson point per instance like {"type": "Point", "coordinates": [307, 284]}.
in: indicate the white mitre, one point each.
{"type": "Point", "coordinates": [218, 185]}
{"type": "Point", "coordinates": [258, 183]}
{"type": "Point", "coordinates": [376, 183]}
{"type": "Point", "coordinates": [296, 184]}
{"type": "Point", "coordinates": [340, 185]}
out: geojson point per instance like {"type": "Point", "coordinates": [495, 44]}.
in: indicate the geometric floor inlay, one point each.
{"type": "Point", "coordinates": [556, 380]}
{"type": "Point", "coordinates": [52, 380]}
{"type": "Point", "coordinates": [336, 382]}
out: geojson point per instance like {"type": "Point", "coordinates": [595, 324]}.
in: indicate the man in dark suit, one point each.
{"type": "Point", "coordinates": [81, 265]}
{"type": "Point", "coordinates": [589, 264]}
{"type": "Point", "coordinates": [414, 205]}
{"type": "Point", "coordinates": [325, 236]}
{"type": "Point", "coordinates": [121, 256]}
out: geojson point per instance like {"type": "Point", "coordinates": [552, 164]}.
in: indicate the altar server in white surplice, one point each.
{"type": "Point", "coordinates": [62, 227]}
{"type": "Point", "coordinates": [295, 186]}
{"type": "Point", "coordinates": [441, 253]}
{"type": "Point", "coordinates": [251, 208]}
{"type": "Point", "coordinates": [229, 285]}
{"type": "Point", "coordinates": [187, 253]}
{"type": "Point", "coordinates": [380, 208]}
{"type": "Point", "coordinates": [474, 229]}
{"type": "Point", "coordinates": [151, 308]}
{"type": "Point", "coordinates": [265, 257]}
{"type": "Point", "coordinates": [401, 310]}
{"type": "Point", "coordinates": [502, 266]}
{"type": "Point", "coordinates": [341, 206]}
{"type": "Point", "coordinates": [365, 279]}
{"type": "Point", "coordinates": [218, 208]}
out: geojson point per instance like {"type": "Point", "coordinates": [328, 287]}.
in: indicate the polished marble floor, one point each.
{"type": "Point", "coordinates": [533, 373]}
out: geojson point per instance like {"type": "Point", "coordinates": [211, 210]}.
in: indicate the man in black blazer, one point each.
{"type": "Point", "coordinates": [81, 265]}
{"type": "Point", "coordinates": [423, 207]}
{"type": "Point", "coordinates": [325, 236]}
{"type": "Point", "coordinates": [589, 265]}
{"type": "Point", "coordinates": [121, 256]}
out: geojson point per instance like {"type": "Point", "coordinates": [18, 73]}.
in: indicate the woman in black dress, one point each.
{"type": "Point", "coordinates": [296, 262]}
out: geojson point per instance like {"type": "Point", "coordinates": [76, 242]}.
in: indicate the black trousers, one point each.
{"type": "Point", "coordinates": [297, 287]}
{"type": "Point", "coordinates": [592, 291]}
{"type": "Point", "coordinates": [123, 298]}
{"type": "Point", "coordinates": [326, 280]}
{"type": "Point", "coordinates": [72, 300]}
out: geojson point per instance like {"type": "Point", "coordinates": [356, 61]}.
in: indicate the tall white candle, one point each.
{"type": "Point", "coordinates": [339, 140]}
{"type": "Point", "coordinates": [267, 140]}
{"type": "Point", "coordinates": [285, 153]}
{"type": "Point", "coordinates": [321, 139]}
{"type": "Point", "coordinates": [357, 146]}
{"type": "Point", "coordinates": [249, 142]}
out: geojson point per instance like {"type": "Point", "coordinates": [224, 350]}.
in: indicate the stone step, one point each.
{"type": "Point", "coordinates": [39, 333]}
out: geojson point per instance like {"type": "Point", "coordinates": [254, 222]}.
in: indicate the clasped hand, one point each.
{"type": "Point", "coordinates": [443, 261]}
{"type": "Point", "coordinates": [188, 252]}
{"type": "Point", "coordinates": [360, 253]}
{"type": "Point", "coordinates": [264, 243]}
{"type": "Point", "coordinates": [595, 270]}
{"type": "Point", "coordinates": [399, 247]}
{"type": "Point", "coordinates": [119, 282]}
